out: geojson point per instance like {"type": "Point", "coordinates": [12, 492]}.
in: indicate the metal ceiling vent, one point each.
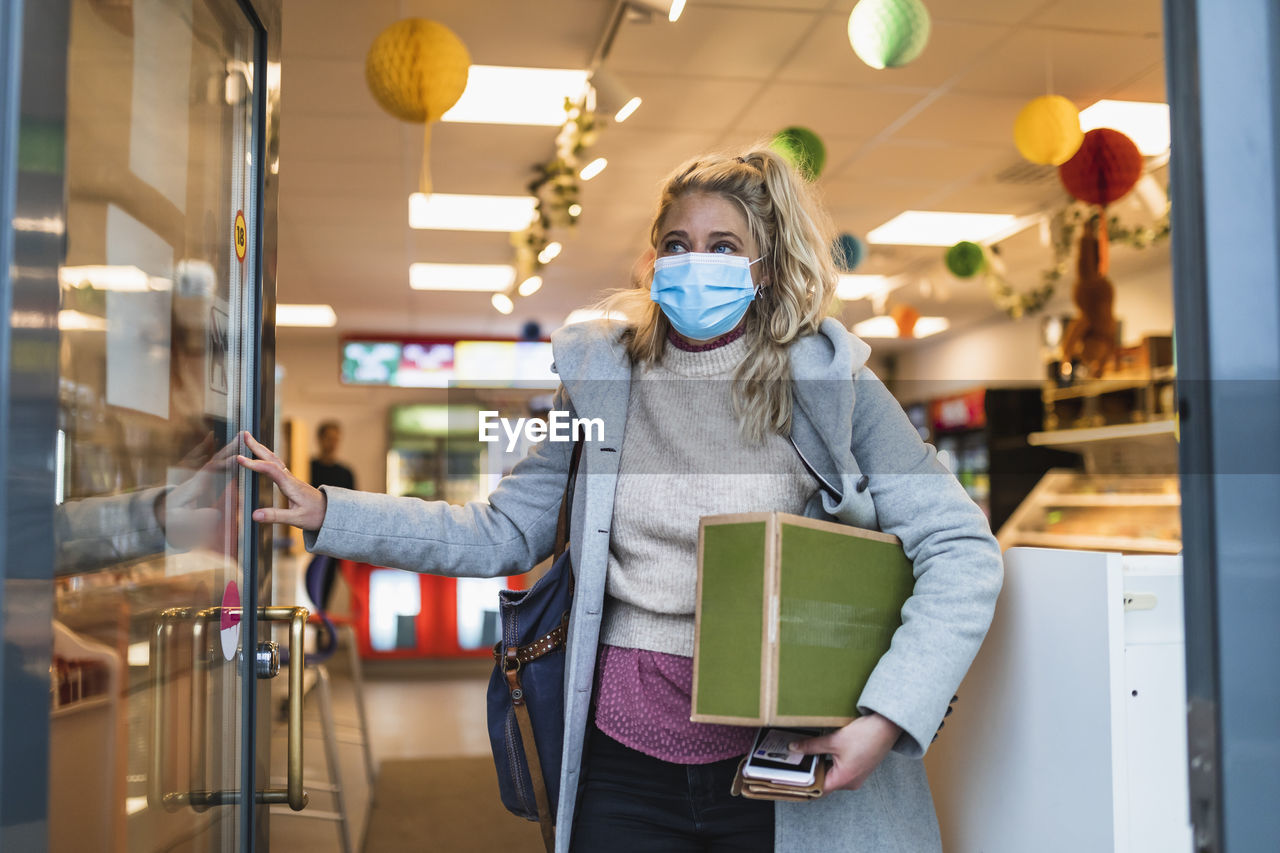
{"type": "Point", "coordinates": [1024, 173]}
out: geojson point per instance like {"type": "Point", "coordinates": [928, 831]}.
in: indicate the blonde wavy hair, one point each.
{"type": "Point", "coordinates": [795, 237]}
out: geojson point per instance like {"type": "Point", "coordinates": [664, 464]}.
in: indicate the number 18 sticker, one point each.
{"type": "Point", "coordinates": [241, 236]}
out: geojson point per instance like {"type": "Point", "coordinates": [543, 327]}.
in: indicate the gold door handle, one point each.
{"type": "Point", "coordinates": [199, 797]}
{"type": "Point", "coordinates": [293, 794]}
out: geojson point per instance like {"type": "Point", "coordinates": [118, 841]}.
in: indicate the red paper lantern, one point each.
{"type": "Point", "coordinates": [1106, 167]}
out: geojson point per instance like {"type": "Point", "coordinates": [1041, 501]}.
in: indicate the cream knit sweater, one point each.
{"type": "Point", "coordinates": [680, 430]}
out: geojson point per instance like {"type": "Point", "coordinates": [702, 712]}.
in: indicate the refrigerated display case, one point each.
{"type": "Point", "coordinates": [1126, 499]}
{"type": "Point", "coordinates": [981, 436]}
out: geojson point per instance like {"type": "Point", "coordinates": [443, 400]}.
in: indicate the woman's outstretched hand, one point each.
{"type": "Point", "coordinates": [856, 750]}
{"type": "Point", "coordinates": [306, 503]}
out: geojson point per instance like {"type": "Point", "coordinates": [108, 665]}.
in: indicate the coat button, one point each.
{"type": "Point", "coordinates": [863, 482]}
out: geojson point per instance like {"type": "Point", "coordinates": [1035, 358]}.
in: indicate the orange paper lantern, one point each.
{"type": "Point", "coordinates": [905, 316]}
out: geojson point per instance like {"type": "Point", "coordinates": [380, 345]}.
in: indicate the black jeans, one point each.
{"type": "Point", "coordinates": [631, 803]}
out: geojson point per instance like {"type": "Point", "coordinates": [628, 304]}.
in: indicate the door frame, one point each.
{"type": "Point", "coordinates": [1224, 96]}
{"type": "Point", "coordinates": [34, 42]}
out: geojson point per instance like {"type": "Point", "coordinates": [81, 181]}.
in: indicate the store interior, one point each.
{"type": "Point", "coordinates": [970, 320]}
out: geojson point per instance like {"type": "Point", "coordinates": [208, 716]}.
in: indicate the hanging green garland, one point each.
{"type": "Point", "coordinates": [1064, 228]}
{"type": "Point", "coordinates": [555, 187]}
{"type": "Point", "coordinates": [967, 260]}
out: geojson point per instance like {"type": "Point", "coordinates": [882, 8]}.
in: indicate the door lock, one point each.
{"type": "Point", "coordinates": [266, 660]}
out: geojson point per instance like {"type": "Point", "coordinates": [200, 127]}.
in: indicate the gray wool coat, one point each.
{"type": "Point", "coordinates": [848, 427]}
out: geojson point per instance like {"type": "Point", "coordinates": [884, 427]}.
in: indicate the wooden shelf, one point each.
{"type": "Point", "coordinates": [1095, 543]}
{"type": "Point", "coordinates": [1107, 500]}
{"type": "Point", "coordinates": [1145, 430]}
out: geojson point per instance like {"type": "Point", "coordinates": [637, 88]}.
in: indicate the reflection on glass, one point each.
{"type": "Point", "coordinates": [154, 366]}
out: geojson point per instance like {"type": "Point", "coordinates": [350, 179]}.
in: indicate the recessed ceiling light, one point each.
{"type": "Point", "coordinates": [885, 326]}
{"type": "Point", "coordinates": [938, 228]}
{"type": "Point", "coordinates": [593, 168]}
{"type": "Point", "coordinates": [530, 285]}
{"type": "Point", "coordinates": [471, 277]}
{"type": "Point", "coordinates": [1146, 123]}
{"type": "Point", "coordinates": [852, 287]}
{"type": "Point", "coordinates": [314, 316]}
{"type": "Point", "coordinates": [449, 212]}
{"type": "Point", "coordinates": [502, 94]}
{"type": "Point", "coordinates": [549, 252]}
{"type": "Point", "coordinates": [503, 303]}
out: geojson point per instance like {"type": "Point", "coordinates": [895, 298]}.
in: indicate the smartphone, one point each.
{"type": "Point", "coordinates": [770, 759]}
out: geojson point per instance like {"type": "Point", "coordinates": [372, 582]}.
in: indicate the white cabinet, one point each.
{"type": "Point", "coordinates": [1069, 733]}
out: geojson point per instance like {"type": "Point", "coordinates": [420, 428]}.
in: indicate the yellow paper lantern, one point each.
{"type": "Point", "coordinates": [1047, 131]}
{"type": "Point", "coordinates": [416, 70]}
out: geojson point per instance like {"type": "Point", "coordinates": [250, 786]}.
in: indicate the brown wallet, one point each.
{"type": "Point", "coordinates": [762, 789]}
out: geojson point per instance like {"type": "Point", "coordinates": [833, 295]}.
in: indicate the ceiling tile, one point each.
{"type": "Point", "coordinates": [968, 119]}
{"type": "Point", "coordinates": [985, 11]}
{"type": "Point", "coordinates": [826, 57]}
{"type": "Point", "coordinates": [924, 162]}
{"type": "Point", "coordinates": [1080, 66]}
{"type": "Point", "coordinates": [1136, 17]}
{"type": "Point", "coordinates": [686, 104]}
{"type": "Point", "coordinates": [745, 44]}
{"type": "Point", "coordinates": [1149, 86]}
{"type": "Point", "coordinates": [843, 111]}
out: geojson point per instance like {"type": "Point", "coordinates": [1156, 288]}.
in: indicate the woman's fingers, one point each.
{"type": "Point", "coordinates": [260, 450]}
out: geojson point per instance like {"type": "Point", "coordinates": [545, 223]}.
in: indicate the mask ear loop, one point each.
{"type": "Point", "coordinates": [756, 293]}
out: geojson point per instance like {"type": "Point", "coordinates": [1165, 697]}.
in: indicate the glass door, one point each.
{"type": "Point", "coordinates": [155, 644]}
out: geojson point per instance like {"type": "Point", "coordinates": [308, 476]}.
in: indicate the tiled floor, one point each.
{"type": "Point", "coordinates": [432, 709]}
{"type": "Point", "coordinates": [418, 709]}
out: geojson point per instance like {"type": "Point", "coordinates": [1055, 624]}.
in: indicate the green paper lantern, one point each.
{"type": "Point", "coordinates": [888, 33]}
{"type": "Point", "coordinates": [802, 148]}
{"type": "Point", "coordinates": [849, 252]}
{"type": "Point", "coordinates": [965, 259]}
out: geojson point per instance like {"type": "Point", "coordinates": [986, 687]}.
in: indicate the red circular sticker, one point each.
{"type": "Point", "coordinates": [241, 236]}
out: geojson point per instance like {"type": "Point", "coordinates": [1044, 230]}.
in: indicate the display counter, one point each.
{"type": "Point", "coordinates": [1069, 733]}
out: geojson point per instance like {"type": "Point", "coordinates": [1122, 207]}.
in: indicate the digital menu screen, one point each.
{"type": "Point", "coordinates": [445, 364]}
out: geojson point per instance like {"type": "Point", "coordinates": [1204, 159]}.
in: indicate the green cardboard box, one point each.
{"type": "Point", "coordinates": [793, 614]}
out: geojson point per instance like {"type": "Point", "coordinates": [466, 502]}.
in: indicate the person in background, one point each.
{"type": "Point", "coordinates": [730, 378]}
{"type": "Point", "coordinates": [326, 470]}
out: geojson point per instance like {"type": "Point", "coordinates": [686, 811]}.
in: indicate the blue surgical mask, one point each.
{"type": "Point", "coordinates": [703, 294]}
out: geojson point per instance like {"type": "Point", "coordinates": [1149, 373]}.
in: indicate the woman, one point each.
{"type": "Point", "coordinates": [736, 394]}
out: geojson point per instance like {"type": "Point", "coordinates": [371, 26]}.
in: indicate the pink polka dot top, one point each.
{"type": "Point", "coordinates": [643, 700]}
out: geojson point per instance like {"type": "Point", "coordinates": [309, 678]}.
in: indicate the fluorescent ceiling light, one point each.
{"type": "Point", "coordinates": [310, 316]}
{"type": "Point", "coordinates": [853, 287]}
{"type": "Point", "coordinates": [1146, 123]}
{"type": "Point", "coordinates": [450, 212]}
{"type": "Point", "coordinates": [530, 285]}
{"type": "Point", "coordinates": [885, 326]}
{"type": "Point", "coordinates": [936, 228]}
{"type": "Point", "coordinates": [500, 94]}
{"type": "Point", "coordinates": [503, 303]}
{"type": "Point", "coordinates": [472, 277]}
{"type": "Point", "coordinates": [121, 279]}
{"type": "Point", "coordinates": [593, 168]}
